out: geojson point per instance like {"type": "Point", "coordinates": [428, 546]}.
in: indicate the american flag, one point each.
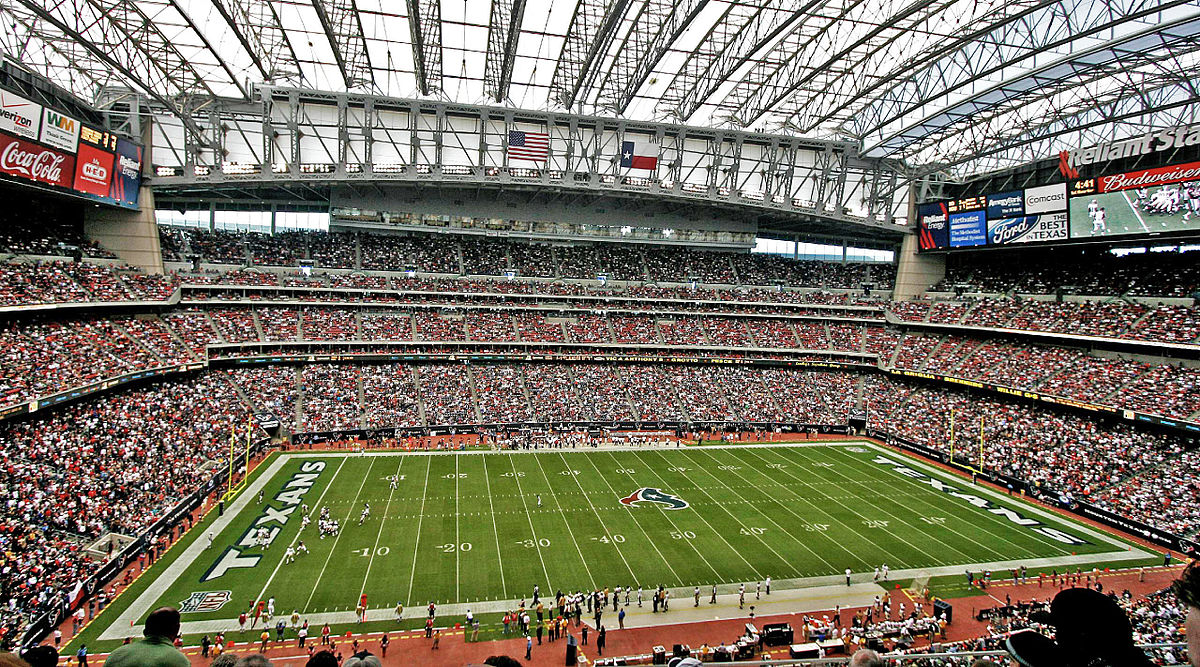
{"type": "Point", "coordinates": [533, 146]}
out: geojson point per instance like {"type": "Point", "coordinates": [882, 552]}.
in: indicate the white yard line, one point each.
{"type": "Point", "coordinates": [1122, 551]}
{"type": "Point", "coordinates": [984, 490]}
{"type": "Point", "coordinates": [566, 523]}
{"type": "Point", "coordinates": [417, 546]}
{"type": "Point", "coordinates": [382, 521]}
{"type": "Point", "coordinates": [297, 537]}
{"type": "Point", "coordinates": [831, 517]}
{"type": "Point", "coordinates": [980, 525]}
{"type": "Point", "coordinates": [663, 483]}
{"type": "Point", "coordinates": [665, 514]}
{"type": "Point", "coordinates": [742, 523]}
{"type": "Point", "coordinates": [647, 535]}
{"type": "Point", "coordinates": [338, 537]}
{"type": "Point", "coordinates": [120, 627]}
{"type": "Point", "coordinates": [604, 526]}
{"type": "Point", "coordinates": [457, 538]}
{"type": "Point", "coordinates": [793, 513]}
{"type": "Point", "coordinates": [495, 530]}
{"type": "Point", "coordinates": [1141, 221]}
{"type": "Point", "coordinates": [536, 545]}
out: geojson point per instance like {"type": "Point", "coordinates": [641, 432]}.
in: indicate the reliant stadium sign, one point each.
{"type": "Point", "coordinates": [1069, 161]}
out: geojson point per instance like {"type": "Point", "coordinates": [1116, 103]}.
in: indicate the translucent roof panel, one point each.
{"type": "Point", "coordinates": [953, 84]}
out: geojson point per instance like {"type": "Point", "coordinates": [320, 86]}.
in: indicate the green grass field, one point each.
{"type": "Point", "coordinates": [466, 528]}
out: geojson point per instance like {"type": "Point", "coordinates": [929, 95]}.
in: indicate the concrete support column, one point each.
{"type": "Point", "coordinates": [915, 272]}
{"type": "Point", "coordinates": [132, 235]}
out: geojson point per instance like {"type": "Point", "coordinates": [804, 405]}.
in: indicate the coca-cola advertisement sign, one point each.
{"type": "Point", "coordinates": [25, 159]}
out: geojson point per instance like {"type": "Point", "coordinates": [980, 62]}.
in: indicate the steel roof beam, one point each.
{"type": "Point", "coordinates": [425, 28]}
{"type": "Point", "coordinates": [208, 45]}
{"type": "Point", "coordinates": [1159, 49]}
{"type": "Point", "coordinates": [154, 66]}
{"type": "Point", "coordinates": [1128, 111]}
{"type": "Point", "coordinates": [658, 27]}
{"type": "Point", "coordinates": [729, 48]}
{"type": "Point", "coordinates": [343, 28]}
{"type": "Point", "coordinates": [258, 30]}
{"type": "Point", "coordinates": [856, 81]}
{"type": "Point", "coordinates": [504, 30]}
{"type": "Point", "coordinates": [1059, 30]}
{"type": "Point", "coordinates": [835, 42]}
{"type": "Point", "coordinates": [593, 29]}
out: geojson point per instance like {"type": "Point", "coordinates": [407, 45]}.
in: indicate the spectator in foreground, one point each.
{"type": "Point", "coordinates": [866, 658]}
{"type": "Point", "coordinates": [157, 649]}
{"type": "Point", "coordinates": [1090, 628]}
{"type": "Point", "coordinates": [1187, 590]}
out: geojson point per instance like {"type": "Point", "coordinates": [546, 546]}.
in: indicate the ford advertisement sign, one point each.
{"type": "Point", "coordinates": [1028, 229]}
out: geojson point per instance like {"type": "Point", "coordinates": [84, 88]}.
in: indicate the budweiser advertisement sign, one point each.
{"type": "Point", "coordinates": [25, 159]}
{"type": "Point", "coordinates": [1146, 178]}
{"type": "Point", "coordinates": [1069, 161]}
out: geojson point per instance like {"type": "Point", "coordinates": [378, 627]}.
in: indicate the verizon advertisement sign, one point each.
{"type": "Point", "coordinates": [18, 116]}
{"type": "Point", "coordinates": [28, 160]}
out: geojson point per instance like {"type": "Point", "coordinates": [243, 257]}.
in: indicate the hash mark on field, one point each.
{"type": "Point", "coordinates": [607, 533]}
{"type": "Point", "coordinates": [566, 523]}
{"type": "Point", "coordinates": [639, 525]}
{"type": "Point", "coordinates": [831, 517]}
{"type": "Point", "coordinates": [905, 481]}
{"type": "Point", "coordinates": [759, 538]}
{"type": "Point", "coordinates": [793, 513]}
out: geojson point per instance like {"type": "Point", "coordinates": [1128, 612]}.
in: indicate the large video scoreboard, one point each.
{"type": "Point", "coordinates": [1151, 201]}
{"type": "Point", "coordinates": [1032, 215]}
{"type": "Point", "coordinates": [42, 145]}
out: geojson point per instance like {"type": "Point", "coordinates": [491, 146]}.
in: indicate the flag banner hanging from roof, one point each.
{"type": "Point", "coordinates": [532, 146]}
{"type": "Point", "coordinates": [639, 154]}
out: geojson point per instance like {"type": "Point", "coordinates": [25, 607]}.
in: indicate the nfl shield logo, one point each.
{"type": "Point", "coordinates": [205, 601]}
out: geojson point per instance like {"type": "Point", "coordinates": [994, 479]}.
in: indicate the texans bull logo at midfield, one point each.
{"type": "Point", "coordinates": [652, 495]}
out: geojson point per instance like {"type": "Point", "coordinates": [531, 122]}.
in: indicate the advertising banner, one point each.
{"type": "Point", "coordinates": [59, 131]}
{"type": "Point", "coordinates": [1005, 205]}
{"type": "Point", "coordinates": [93, 171]}
{"type": "Point", "coordinates": [1144, 178]}
{"type": "Point", "coordinates": [1028, 229]}
{"type": "Point", "coordinates": [19, 117]}
{"type": "Point", "coordinates": [968, 229]}
{"type": "Point", "coordinates": [932, 226]}
{"type": "Point", "coordinates": [1046, 199]}
{"type": "Point", "coordinates": [25, 159]}
{"type": "Point", "coordinates": [127, 174]}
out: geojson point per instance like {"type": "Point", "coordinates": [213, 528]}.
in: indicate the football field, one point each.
{"type": "Point", "coordinates": [468, 528]}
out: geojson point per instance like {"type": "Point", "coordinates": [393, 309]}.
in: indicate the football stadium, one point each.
{"type": "Point", "coordinates": [600, 332]}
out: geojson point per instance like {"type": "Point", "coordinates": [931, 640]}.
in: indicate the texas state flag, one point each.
{"type": "Point", "coordinates": [639, 155]}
